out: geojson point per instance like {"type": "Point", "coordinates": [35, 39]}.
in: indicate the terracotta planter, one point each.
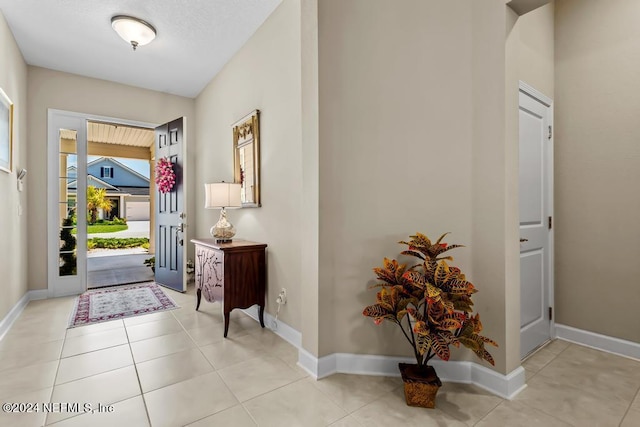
{"type": "Point", "coordinates": [421, 385]}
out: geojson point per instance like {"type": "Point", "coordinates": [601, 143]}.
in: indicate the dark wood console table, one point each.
{"type": "Point", "coordinates": [232, 273]}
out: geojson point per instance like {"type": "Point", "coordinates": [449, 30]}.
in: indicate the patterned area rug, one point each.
{"type": "Point", "coordinates": [118, 302]}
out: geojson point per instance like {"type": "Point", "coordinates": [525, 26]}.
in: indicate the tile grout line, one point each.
{"type": "Point", "coordinates": [540, 370]}
{"type": "Point", "coordinates": [55, 377]}
{"type": "Point", "coordinates": [489, 413]}
{"type": "Point", "coordinates": [214, 370]}
{"type": "Point", "coordinates": [544, 412]}
{"type": "Point", "coordinates": [135, 366]}
{"type": "Point", "coordinates": [630, 405]}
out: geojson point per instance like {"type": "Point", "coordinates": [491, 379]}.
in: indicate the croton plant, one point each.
{"type": "Point", "coordinates": [429, 301]}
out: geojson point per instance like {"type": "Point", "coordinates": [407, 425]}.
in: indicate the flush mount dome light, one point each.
{"type": "Point", "coordinates": [133, 30]}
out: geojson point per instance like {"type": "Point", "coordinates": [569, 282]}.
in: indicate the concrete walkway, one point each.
{"type": "Point", "coordinates": [117, 269]}
{"type": "Point", "coordinates": [109, 267]}
{"type": "Point", "coordinates": [136, 229]}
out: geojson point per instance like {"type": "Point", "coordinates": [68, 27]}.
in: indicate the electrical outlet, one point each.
{"type": "Point", "coordinates": [282, 297]}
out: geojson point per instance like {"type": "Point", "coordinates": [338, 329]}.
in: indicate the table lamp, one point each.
{"type": "Point", "coordinates": [222, 195]}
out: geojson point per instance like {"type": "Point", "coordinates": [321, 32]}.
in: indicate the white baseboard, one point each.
{"type": "Point", "coordinates": [506, 386]}
{"type": "Point", "coordinates": [283, 330]}
{"type": "Point", "coordinates": [39, 294]}
{"type": "Point", "coordinates": [600, 342]}
{"type": "Point", "coordinates": [14, 313]}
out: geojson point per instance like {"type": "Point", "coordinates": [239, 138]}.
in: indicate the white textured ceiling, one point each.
{"type": "Point", "coordinates": [195, 38]}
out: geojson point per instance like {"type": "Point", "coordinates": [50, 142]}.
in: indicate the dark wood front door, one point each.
{"type": "Point", "coordinates": [170, 209]}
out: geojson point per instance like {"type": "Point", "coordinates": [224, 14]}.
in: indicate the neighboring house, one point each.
{"type": "Point", "coordinates": [127, 189]}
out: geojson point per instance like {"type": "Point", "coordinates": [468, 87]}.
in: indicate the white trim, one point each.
{"type": "Point", "coordinates": [39, 294]}
{"type": "Point", "coordinates": [533, 92]}
{"type": "Point", "coordinates": [122, 165]}
{"type": "Point", "coordinates": [544, 99]}
{"type": "Point", "coordinates": [310, 363]}
{"type": "Point", "coordinates": [551, 249]}
{"type": "Point", "coordinates": [57, 119]}
{"type": "Point", "coordinates": [16, 310]}
{"type": "Point", "coordinates": [600, 342]}
{"type": "Point", "coordinates": [505, 386]}
{"type": "Point", "coordinates": [12, 315]}
{"type": "Point", "coordinates": [107, 186]}
{"type": "Point", "coordinates": [283, 330]}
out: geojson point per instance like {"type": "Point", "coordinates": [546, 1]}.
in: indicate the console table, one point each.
{"type": "Point", "coordinates": [233, 273]}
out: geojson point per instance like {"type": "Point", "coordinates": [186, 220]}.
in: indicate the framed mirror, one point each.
{"type": "Point", "coordinates": [246, 158]}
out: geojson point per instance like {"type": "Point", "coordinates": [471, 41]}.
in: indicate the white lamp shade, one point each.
{"type": "Point", "coordinates": [133, 30]}
{"type": "Point", "coordinates": [222, 195]}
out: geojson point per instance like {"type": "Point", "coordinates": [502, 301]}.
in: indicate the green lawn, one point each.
{"type": "Point", "coordinates": [103, 228]}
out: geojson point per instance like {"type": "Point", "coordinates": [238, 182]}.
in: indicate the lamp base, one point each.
{"type": "Point", "coordinates": [223, 231]}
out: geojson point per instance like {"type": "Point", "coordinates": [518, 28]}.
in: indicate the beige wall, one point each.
{"type": "Point", "coordinates": [53, 89]}
{"type": "Point", "coordinates": [412, 139]}
{"type": "Point", "coordinates": [399, 131]}
{"type": "Point", "coordinates": [13, 241]}
{"type": "Point", "coordinates": [536, 48]}
{"type": "Point", "coordinates": [310, 218]}
{"type": "Point", "coordinates": [264, 75]}
{"type": "Point", "coordinates": [597, 159]}
{"type": "Point", "coordinates": [529, 57]}
{"type": "Point", "coordinates": [494, 218]}
{"type": "Point", "coordinates": [391, 123]}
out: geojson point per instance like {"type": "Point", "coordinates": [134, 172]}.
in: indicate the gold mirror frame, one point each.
{"type": "Point", "coordinates": [246, 158]}
{"type": "Point", "coordinates": [6, 138]}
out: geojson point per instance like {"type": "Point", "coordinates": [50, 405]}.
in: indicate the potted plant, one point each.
{"type": "Point", "coordinates": [431, 303]}
{"type": "Point", "coordinates": [151, 263]}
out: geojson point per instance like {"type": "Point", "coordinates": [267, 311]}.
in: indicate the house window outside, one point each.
{"type": "Point", "coordinates": [106, 172]}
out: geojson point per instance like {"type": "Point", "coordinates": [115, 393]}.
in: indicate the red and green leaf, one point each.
{"type": "Point", "coordinates": [441, 274]}
{"type": "Point", "coordinates": [436, 296]}
{"type": "Point", "coordinates": [469, 343]}
{"type": "Point", "coordinates": [423, 343]}
{"type": "Point", "coordinates": [413, 253]}
{"type": "Point", "coordinates": [440, 346]}
{"type": "Point", "coordinates": [378, 313]}
{"type": "Point", "coordinates": [450, 323]}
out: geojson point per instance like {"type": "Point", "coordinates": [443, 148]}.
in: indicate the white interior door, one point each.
{"type": "Point", "coordinates": [536, 251]}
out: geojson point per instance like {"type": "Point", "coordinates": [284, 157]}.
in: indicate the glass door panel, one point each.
{"type": "Point", "coordinates": [67, 202]}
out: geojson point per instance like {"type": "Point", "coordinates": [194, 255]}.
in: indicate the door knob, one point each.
{"type": "Point", "coordinates": [523, 240]}
{"type": "Point", "coordinates": [181, 227]}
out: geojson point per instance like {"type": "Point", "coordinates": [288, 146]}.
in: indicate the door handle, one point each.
{"type": "Point", "coordinates": [523, 240]}
{"type": "Point", "coordinates": [181, 227]}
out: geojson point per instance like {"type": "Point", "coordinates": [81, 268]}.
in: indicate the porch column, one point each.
{"type": "Point", "coordinates": [63, 208]}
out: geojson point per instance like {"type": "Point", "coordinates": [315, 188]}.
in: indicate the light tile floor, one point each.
{"type": "Point", "coordinates": [174, 368]}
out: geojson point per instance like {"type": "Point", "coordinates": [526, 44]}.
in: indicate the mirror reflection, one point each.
{"type": "Point", "coordinates": [246, 144]}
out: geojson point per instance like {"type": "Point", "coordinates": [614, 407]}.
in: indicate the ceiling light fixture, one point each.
{"type": "Point", "coordinates": [133, 30]}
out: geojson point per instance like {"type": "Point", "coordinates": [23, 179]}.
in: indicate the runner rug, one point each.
{"type": "Point", "coordinates": [118, 302]}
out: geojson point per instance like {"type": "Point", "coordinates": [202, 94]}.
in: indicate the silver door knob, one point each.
{"type": "Point", "coordinates": [181, 227]}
